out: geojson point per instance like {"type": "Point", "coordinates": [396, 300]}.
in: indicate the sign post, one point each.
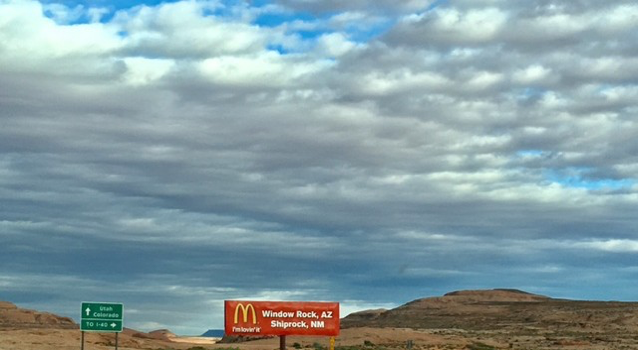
{"type": "Point", "coordinates": [102, 317]}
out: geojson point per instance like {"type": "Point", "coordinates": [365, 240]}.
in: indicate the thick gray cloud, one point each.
{"type": "Point", "coordinates": [171, 162]}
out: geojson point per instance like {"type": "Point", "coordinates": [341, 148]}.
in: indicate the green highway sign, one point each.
{"type": "Point", "coordinates": [101, 326]}
{"type": "Point", "coordinates": [102, 317]}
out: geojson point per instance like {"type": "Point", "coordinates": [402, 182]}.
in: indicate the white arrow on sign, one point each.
{"type": "Point", "coordinates": [113, 325]}
{"type": "Point", "coordinates": [87, 311]}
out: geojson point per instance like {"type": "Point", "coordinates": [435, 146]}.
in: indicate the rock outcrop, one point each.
{"type": "Point", "coordinates": [14, 317]}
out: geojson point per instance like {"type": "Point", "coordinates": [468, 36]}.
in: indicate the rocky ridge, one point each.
{"type": "Point", "coordinates": [14, 317]}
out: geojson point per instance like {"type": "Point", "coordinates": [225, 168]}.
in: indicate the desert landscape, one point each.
{"type": "Point", "coordinates": [440, 159]}
{"type": "Point", "coordinates": [473, 320]}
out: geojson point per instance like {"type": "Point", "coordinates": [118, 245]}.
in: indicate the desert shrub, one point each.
{"type": "Point", "coordinates": [368, 343]}
{"type": "Point", "coordinates": [345, 347]}
{"type": "Point", "coordinates": [318, 346]}
{"type": "Point", "coordinates": [480, 346]}
{"type": "Point", "coordinates": [296, 346]}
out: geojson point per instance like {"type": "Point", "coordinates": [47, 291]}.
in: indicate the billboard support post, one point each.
{"type": "Point", "coordinates": [282, 342]}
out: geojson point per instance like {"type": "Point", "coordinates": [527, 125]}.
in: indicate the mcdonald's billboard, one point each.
{"type": "Point", "coordinates": [260, 318]}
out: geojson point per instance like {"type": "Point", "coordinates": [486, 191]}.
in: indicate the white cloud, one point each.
{"type": "Point", "coordinates": [378, 83]}
{"type": "Point", "coordinates": [620, 18]}
{"type": "Point", "coordinates": [612, 245]}
{"type": "Point", "coordinates": [181, 30]}
{"type": "Point", "coordinates": [95, 14]}
{"type": "Point", "coordinates": [453, 26]}
{"type": "Point", "coordinates": [334, 45]}
{"type": "Point", "coordinates": [142, 71]}
{"type": "Point", "coordinates": [551, 27]}
{"type": "Point", "coordinates": [483, 80]}
{"type": "Point", "coordinates": [62, 14]}
{"type": "Point", "coordinates": [531, 75]}
{"type": "Point", "coordinates": [32, 42]}
{"type": "Point", "coordinates": [264, 69]}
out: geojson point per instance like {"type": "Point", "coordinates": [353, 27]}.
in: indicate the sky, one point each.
{"type": "Point", "coordinates": [172, 155]}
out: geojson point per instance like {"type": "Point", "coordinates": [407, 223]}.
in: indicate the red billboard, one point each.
{"type": "Point", "coordinates": [260, 318]}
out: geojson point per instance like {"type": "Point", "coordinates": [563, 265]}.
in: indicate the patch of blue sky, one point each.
{"type": "Point", "coordinates": [433, 6]}
{"type": "Point", "coordinates": [226, 8]}
{"type": "Point", "coordinates": [356, 31]}
{"type": "Point", "coordinates": [110, 4]}
{"type": "Point", "coordinates": [305, 40]}
{"type": "Point", "coordinates": [260, 3]}
{"type": "Point", "coordinates": [73, 12]}
{"type": "Point", "coordinates": [526, 153]}
{"type": "Point", "coordinates": [576, 178]}
{"type": "Point", "coordinates": [278, 48]}
{"type": "Point", "coordinates": [531, 92]}
{"type": "Point", "coordinates": [602, 88]}
{"type": "Point", "coordinates": [312, 33]}
{"type": "Point", "coordinates": [609, 184]}
{"type": "Point", "coordinates": [363, 34]}
{"type": "Point", "coordinates": [62, 14]}
{"type": "Point", "coordinates": [220, 11]}
{"type": "Point", "coordinates": [277, 19]}
{"type": "Point", "coordinates": [436, 4]}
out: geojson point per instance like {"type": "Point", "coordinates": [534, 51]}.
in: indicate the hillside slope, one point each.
{"type": "Point", "coordinates": [501, 309]}
{"type": "Point", "coordinates": [14, 317]}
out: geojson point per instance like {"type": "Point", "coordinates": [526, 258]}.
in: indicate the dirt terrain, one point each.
{"type": "Point", "coordinates": [22, 329]}
{"type": "Point", "coordinates": [471, 320]}
{"type": "Point", "coordinates": [513, 319]}
{"type": "Point", "coordinates": [13, 317]}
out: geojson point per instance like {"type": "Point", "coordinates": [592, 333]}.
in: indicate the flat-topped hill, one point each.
{"type": "Point", "coordinates": [500, 309]}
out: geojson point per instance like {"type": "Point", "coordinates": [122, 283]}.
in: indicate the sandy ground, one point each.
{"type": "Point", "coordinates": [467, 320]}
{"type": "Point", "coordinates": [47, 339]}
{"type": "Point", "coordinates": [394, 337]}
{"type": "Point", "coordinates": [382, 338]}
{"type": "Point", "coordinates": [195, 340]}
{"type": "Point", "coordinates": [66, 339]}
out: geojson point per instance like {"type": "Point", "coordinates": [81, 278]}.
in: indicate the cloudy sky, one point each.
{"type": "Point", "coordinates": [170, 155]}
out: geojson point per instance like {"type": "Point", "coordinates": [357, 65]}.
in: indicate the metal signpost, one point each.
{"type": "Point", "coordinates": [102, 317]}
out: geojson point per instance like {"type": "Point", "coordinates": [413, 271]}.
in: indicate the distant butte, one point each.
{"type": "Point", "coordinates": [499, 309]}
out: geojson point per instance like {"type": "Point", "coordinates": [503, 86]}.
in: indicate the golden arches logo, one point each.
{"type": "Point", "coordinates": [244, 310]}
